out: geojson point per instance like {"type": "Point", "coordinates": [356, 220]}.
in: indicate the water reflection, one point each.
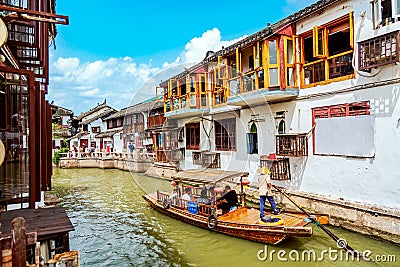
{"type": "Point", "coordinates": [115, 227]}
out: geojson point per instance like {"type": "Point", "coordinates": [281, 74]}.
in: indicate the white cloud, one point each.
{"type": "Point", "coordinates": [196, 49]}
{"type": "Point", "coordinates": [90, 92]}
{"type": "Point", "coordinates": [120, 80]}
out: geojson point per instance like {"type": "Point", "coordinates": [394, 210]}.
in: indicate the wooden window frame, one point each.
{"type": "Point", "coordinates": [193, 136]}
{"type": "Point", "coordinates": [290, 65]}
{"type": "Point", "coordinates": [324, 42]}
{"type": "Point", "coordinates": [226, 137]}
{"type": "Point", "coordinates": [339, 110]}
{"type": "Point", "coordinates": [268, 65]}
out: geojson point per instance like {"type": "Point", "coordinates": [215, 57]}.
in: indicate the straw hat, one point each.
{"type": "Point", "coordinates": [263, 170]}
{"type": "Point", "coordinates": [2, 152]}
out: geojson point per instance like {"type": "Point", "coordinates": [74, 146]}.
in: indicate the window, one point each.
{"type": "Point", "coordinates": [385, 12]}
{"type": "Point", "coordinates": [193, 136]}
{"type": "Point", "coordinates": [225, 134]}
{"type": "Point", "coordinates": [328, 51]}
{"type": "Point", "coordinates": [353, 134]}
{"type": "Point", "coordinates": [252, 142]}
{"type": "Point", "coordinates": [379, 51]}
{"type": "Point", "coordinates": [273, 63]}
{"type": "Point", "coordinates": [96, 129]}
{"type": "Point", "coordinates": [203, 90]}
{"type": "Point", "coordinates": [290, 78]}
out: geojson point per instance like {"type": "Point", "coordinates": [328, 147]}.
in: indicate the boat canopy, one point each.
{"type": "Point", "coordinates": [207, 176]}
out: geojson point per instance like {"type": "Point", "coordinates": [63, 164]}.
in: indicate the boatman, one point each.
{"type": "Point", "coordinates": [264, 189]}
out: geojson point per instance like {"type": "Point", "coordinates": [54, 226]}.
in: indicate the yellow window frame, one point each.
{"type": "Point", "coordinates": [200, 88]}
{"type": "Point", "coordinates": [320, 48]}
{"type": "Point", "coordinates": [268, 66]}
{"type": "Point", "coordinates": [159, 93]}
{"type": "Point", "coordinates": [222, 68]}
{"type": "Point", "coordinates": [290, 64]}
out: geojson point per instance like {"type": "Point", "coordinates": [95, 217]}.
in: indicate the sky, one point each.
{"type": "Point", "coordinates": [120, 50]}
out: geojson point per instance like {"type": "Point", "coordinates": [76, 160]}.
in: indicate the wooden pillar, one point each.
{"type": "Point", "coordinates": [18, 242]}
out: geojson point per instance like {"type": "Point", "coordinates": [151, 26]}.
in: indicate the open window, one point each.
{"type": "Point", "coordinates": [272, 61]}
{"type": "Point", "coordinates": [385, 12]}
{"type": "Point", "coordinates": [289, 52]}
{"type": "Point", "coordinates": [319, 42]}
{"type": "Point", "coordinates": [203, 92]}
{"type": "Point", "coordinates": [328, 51]}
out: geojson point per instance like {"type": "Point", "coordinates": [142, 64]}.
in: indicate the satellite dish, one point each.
{"type": "Point", "coordinates": [2, 152]}
{"type": "Point", "coordinates": [3, 33]}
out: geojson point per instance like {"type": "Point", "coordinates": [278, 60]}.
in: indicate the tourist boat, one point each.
{"type": "Point", "coordinates": [244, 222]}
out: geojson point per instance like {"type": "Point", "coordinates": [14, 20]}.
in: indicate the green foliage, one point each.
{"type": "Point", "coordinates": [57, 156]}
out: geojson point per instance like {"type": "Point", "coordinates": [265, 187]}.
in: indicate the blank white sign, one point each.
{"type": "Point", "coordinates": [345, 136]}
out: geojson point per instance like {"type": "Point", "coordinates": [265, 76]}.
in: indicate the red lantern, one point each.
{"type": "Point", "coordinates": [245, 182]}
{"type": "Point", "coordinates": [173, 183]}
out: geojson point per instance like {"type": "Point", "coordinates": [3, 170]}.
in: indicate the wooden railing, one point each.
{"type": "Point", "coordinates": [279, 167]}
{"type": "Point", "coordinates": [295, 145]}
{"type": "Point", "coordinates": [155, 121]}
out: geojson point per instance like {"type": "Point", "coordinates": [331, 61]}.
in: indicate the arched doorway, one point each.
{"type": "Point", "coordinates": [252, 140]}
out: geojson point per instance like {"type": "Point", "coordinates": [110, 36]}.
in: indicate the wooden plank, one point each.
{"type": "Point", "coordinates": [19, 242]}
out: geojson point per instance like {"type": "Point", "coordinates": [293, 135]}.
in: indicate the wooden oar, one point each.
{"type": "Point", "coordinates": [340, 242]}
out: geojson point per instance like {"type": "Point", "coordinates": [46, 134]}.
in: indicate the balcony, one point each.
{"type": "Point", "coordinates": [172, 156]}
{"type": "Point", "coordinates": [260, 96]}
{"type": "Point", "coordinates": [292, 145]}
{"type": "Point", "coordinates": [379, 51]}
{"type": "Point", "coordinates": [155, 121]}
{"type": "Point", "coordinates": [207, 159]}
{"type": "Point", "coordinates": [279, 167]}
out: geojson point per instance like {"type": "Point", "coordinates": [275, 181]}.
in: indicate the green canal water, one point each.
{"type": "Point", "coordinates": [115, 227]}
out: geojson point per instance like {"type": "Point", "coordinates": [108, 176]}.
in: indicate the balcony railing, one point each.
{"type": "Point", "coordinates": [207, 159]}
{"type": "Point", "coordinates": [295, 145]}
{"type": "Point", "coordinates": [155, 121]}
{"type": "Point", "coordinates": [279, 167]}
{"type": "Point", "coordinates": [382, 50]}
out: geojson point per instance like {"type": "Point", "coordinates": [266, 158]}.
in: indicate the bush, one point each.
{"type": "Point", "coordinates": [56, 157]}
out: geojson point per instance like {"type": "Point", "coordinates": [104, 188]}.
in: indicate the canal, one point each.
{"type": "Point", "coordinates": [115, 227]}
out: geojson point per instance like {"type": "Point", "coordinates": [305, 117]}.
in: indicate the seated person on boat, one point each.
{"type": "Point", "coordinates": [230, 200]}
{"type": "Point", "coordinates": [204, 199]}
{"type": "Point", "coordinates": [187, 196]}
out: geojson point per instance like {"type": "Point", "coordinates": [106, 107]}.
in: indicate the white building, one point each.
{"type": "Point", "coordinates": [315, 96]}
{"type": "Point", "coordinates": [90, 124]}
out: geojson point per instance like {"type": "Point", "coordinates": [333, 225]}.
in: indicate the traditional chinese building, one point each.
{"type": "Point", "coordinates": [315, 97]}
{"type": "Point", "coordinates": [27, 28]}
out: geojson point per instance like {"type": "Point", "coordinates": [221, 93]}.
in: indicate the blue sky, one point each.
{"type": "Point", "coordinates": [119, 50]}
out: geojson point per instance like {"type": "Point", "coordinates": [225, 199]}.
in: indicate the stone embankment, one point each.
{"type": "Point", "coordinates": [135, 162]}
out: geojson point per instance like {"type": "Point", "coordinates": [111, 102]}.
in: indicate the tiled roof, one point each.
{"type": "Point", "coordinates": [93, 110]}
{"type": "Point", "coordinates": [109, 133]}
{"type": "Point", "coordinates": [260, 35]}
{"type": "Point", "coordinates": [141, 107]}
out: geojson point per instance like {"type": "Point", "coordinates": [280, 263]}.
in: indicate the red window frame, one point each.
{"type": "Point", "coordinates": [341, 110]}
{"type": "Point", "coordinates": [225, 134]}
{"type": "Point", "coordinates": [193, 136]}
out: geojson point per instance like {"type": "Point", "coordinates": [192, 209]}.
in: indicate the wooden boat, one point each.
{"type": "Point", "coordinates": [244, 222]}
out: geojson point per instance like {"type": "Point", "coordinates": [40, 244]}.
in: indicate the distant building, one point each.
{"type": "Point", "coordinates": [61, 126]}
{"type": "Point", "coordinates": [89, 124]}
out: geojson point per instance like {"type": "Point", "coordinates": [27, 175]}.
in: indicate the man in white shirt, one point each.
{"type": "Point", "coordinates": [186, 196]}
{"type": "Point", "coordinates": [265, 192]}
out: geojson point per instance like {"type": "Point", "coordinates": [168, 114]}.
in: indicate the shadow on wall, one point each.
{"type": "Point", "coordinates": [297, 167]}
{"type": "Point", "coordinates": [382, 104]}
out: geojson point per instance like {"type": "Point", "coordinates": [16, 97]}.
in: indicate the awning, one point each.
{"type": "Point", "coordinates": [46, 222]}
{"type": "Point", "coordinates": [207, 176]}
